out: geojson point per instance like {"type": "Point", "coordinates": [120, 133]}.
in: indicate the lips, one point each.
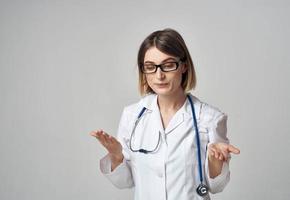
{"type": "Point", "coordinates": [161, 84]}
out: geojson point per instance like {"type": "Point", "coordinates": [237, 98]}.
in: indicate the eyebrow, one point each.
{"type": "Point", "coordinates": [161, 61]}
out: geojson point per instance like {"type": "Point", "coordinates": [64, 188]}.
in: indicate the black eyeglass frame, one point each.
{"type": "Point", "coordinates": [161, 67]}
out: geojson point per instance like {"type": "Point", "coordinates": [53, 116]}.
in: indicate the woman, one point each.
{"type": "Point", "coordinates": [170, 145]}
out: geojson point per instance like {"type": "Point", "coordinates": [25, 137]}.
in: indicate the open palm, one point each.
{"type": "Point", "coordinates": [221, 150]}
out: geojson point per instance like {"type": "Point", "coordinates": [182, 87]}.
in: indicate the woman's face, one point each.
{"type": "Point", "coordinates": [163, 83]}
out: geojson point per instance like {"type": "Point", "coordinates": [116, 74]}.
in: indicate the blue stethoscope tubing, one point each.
{"type": "Point", "coordinates": [197, 139]}
{"type": "Point", "coordinates": [202, 189]}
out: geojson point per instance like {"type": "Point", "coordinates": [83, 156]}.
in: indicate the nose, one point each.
{"type": "Point", "coordinates": [160, 74]}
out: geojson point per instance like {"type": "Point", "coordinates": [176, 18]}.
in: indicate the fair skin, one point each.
{"type": "Point", "coordinates": [170, 98]}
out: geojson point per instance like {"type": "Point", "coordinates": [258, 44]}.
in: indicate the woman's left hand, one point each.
{"type": "Point", "coordinates": [221, 151]}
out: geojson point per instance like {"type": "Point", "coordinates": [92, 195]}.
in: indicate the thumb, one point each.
{"type": "Point", "coordinates": [233, 149]}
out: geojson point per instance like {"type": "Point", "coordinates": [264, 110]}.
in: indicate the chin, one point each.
{"type": "Point", "coordinates": [164, 91]}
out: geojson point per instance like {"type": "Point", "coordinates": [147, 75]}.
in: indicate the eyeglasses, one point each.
{"type": "Point", "coordinates": [149, 68]}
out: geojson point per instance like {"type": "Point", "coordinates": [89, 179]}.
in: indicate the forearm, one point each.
{"type": "Point", "coordinates": [116, 160]}
{"type": "Point", "coordinates": [214, 166]}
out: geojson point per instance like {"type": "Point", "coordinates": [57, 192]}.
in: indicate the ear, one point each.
{"type": "Point", "coordinates": [183, 68]}
{"type": "Point", "coordinates": [144, 78]}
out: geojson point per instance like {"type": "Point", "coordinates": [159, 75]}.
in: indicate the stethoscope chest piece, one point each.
{"type": "Point", "coordinates": [202, 190]}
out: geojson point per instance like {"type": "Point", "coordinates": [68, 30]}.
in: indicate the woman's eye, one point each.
{"type": "Point", "coordinates": [169, 65]}
{"type": "Point", "coordinates": [149, 67]}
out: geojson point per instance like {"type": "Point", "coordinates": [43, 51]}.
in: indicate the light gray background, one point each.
{"type": "Point", "coordinates": [69, 67]}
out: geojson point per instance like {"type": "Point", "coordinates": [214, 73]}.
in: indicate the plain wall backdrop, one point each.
{"type": "Point", "coordinates": [69, 67]}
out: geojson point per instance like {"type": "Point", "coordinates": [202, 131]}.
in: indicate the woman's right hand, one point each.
{"type": "Point", "coordinates": [112, 145]}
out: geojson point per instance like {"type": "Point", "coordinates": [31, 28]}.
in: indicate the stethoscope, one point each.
{"type": "Point", "coordinates": [202, 188]}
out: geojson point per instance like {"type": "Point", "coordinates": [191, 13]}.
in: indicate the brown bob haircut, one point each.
{"type": "Point", "coordinates": [170, 42]}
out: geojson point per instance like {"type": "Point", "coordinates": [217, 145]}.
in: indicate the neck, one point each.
{"type": "Point", "coordinates": [172, 102]}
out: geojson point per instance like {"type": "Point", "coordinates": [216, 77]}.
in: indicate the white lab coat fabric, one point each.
{"type": "Point", "coordinates": [171, 173]}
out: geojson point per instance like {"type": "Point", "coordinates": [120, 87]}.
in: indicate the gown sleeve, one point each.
{"type": "Point", "coordinates": [121, 176]}
{"type": "Point", "coordinates": [218, 133]}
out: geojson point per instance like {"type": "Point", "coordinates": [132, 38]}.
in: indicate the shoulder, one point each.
{"type": "Point", "coordinates": [132, 110]}
{"type": "Point", "coordinates": [208, 112]}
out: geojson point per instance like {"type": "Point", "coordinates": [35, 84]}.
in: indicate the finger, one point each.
{"type": "Point", "coordinates": [210, 152]}
{"type": "Point", "coordinates": [233, 149]}
{"type": "Point", "coordinates": [113, 144]}
{"type": "Point", "coordinates": [98, 134]}
{"type": "Point", "coordinates": [103, 140]}
{"type": "Point", "coordinates": [114, 140]}
{"type": "Point", "coordinates": [225, 155]}
{"type": "Point", "coordinates": [111, 141]}
{"type": "Point", "coordinates": [94, 133]}
{"type": "Point", "coordinates": [215, 151]}
{"type": "Point", "coordinates": [219, 155]}
{"type": "Point", "coordinates": [106, 138]}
